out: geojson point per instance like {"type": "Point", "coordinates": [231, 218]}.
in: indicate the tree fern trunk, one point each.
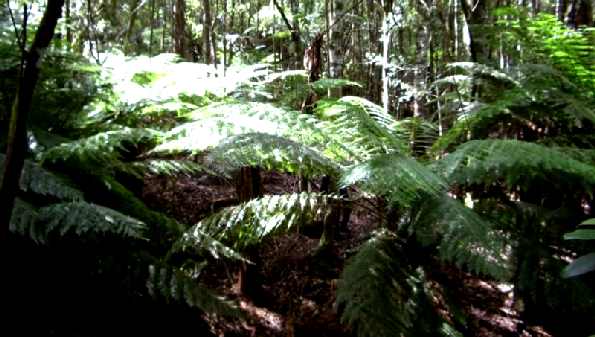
{"type": "Point", "coordinates": [248, 186]}
{"type": "Point", "coordinates": [17, 136]}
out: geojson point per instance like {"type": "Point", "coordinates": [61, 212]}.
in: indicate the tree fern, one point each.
{"type": "Point", "coordinates": [271, 153]}
{"type": "Point", "coordinates": [248, 223]}
{"type": "Point", "coordinates": [516, 163]}
{"type": "Point", "coordinates": [79, 218]}
{"type": "Point", "coordinates": [536, 96]}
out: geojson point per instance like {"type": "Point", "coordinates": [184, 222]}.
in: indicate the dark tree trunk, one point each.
{"type": "Point", "coordinates": [206, 33]}
{"type": "Point", "coordinates": [17, 136]}
{"type": "Point", "coordinates": [476, 14]}
{"type": "Point", "coordinates": [180, 43]}
{"type": "Point", "coordinates": [248, 186]}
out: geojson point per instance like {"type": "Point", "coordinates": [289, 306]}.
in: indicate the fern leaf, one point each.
{"type": "Point", "coordinates": [322, 85]}
{"type": "Point", "coordinates": [271, 153]}
{"type": "Point", "coordinates": [218, 121]}
{"type": "Point", "coordinates": [374, 291]}
{"type": "Point", "coordinates": [72, 217]}
{"type": "Point", "coordinates": [363, 128]}
{"type": "Point", "coordinates": [462, 236]}
{"type": "Point", "coordinates": [401, 179]}
{"type": "Point", "coordinates": [515, 162]}
{"type": "Point", "coordinates": [481, 71]}
{"type": "Point", "coordinates": [195, 240]}
{"type": "Point", "coordinates": [23, 221]}
{"type": "Point", "coordinates": [38, 180]}
{"type": "Point", "coordinates": [103, 150]}
{"type": "Point", "coordinates": [176, 285]}
{"type": "Point", "coordinates": [171, 167]}
{"type": "Point", "coordinates": [250, 222]}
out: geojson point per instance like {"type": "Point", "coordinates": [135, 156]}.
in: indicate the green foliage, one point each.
{"type": "Point", "coordinates": [530, 98]}
{"type": "Point", "coordinates": [515, 163]}
{"type": "Point", "coordinates": [585, 263]}
{"type": "Point", "coordinates": [79, 218]}
{"type": "Point", "coordinates": [248, 223]}
{"type": "Point", "coordinates": [271, 152]}
{"type": "Point", "coordinates": [375, 289]}
{"type": "Point", "coordinates": [103, 151]}
{"type": "Point", "coordinates": [179, 285]}
{"type": "Point", "coordinates": [362, 127]}
{"type": "Point", "coordinates": [399, 178]}
{"type": "Point", "coordinates": [462, 236]}
{"type": "Point", "coordinates": [321, 86]}
{"type": "Point", "coordinates": [35, 179]}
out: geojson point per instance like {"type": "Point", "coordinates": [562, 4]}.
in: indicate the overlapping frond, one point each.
{"type": "Point", "coordinates": [516, 163]}
{"type": "Point", "coordinates": [248, 223]}
{"type": "Point", "coordinates": [271, 153]}
{"type": "Point", "coordinates": [218, 121]}
{"type": "Point", "coordinates": [362, 127]}
{"type": "Point", "coordinates": [181, 286]}
{"type": "Point", "coordinates": [103, 150]}
{"type": "Point", "coordinates": [398, 177]}
{"type": "Point", "coordinates": [463, 236]}
{"type": "Point", "coordinates": [38, 180]}
{"type": "Point", "coordinates": [78, 218]}
{"type": "Point", "coordinates": [171, 167]}
{"type": "Point", "coordinates": [374, 291]}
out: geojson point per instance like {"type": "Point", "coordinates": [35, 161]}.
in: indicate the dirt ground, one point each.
{"type": "Point", "coordinates": [294, 292]}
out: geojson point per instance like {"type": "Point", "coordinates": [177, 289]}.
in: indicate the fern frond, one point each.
{"type": "Point", "coordinates": [218, 121]}
{"type": "Point", "coordinates": [324, 84]}
{"type": "Point", "coordinates": [482, 72]}
{"type": "Point", "coordinates": [196, 241]}
{"type": "Point", "coordinates": [38, 180]}
{"type": "Point", "coordinates": [250, 222]}
{"type": "Point", "coordinates": [374, 289]}
{"type": "Point", "coordinates": [401, 179]}
{"type": "Point", "coordinates": [101, 150]}
{"type": "Point", "coordinates": [419, 134]}
{"type": "Point", "coordinates": [362, 127]}
{"type": "Point", "coordinates": [170, 167]}
{"type": "Point", "coordinates": [463, 237]}
{"type": "Point", "coordinates": [517, 163]}
{"type": "Point", "coordinates": [181, 286]}
{"type": "Point", "coordinates": [73, 217]}
{"type": "Point", "coordinates": [23, 221]}
{"type": "Point", "coordinates": [271, 153]}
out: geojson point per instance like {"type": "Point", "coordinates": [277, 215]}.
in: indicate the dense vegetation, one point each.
{"type": "Point", "coordinates": [465, 130]}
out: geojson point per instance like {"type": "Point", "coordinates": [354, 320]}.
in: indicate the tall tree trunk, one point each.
{"type": "Point", "coordinates": [151, 33]}
{"type": "Point", "coordinates": [335, 44]}
{"type": "Point", "coordinates": [206, 33]}
{"type": "Point", "coordinates": [387, 6]}
{"type": "Point", "coordinates": [180, 45]}
{"type": "Point", "coordinates": [68, 26]}
{"type": "Point", "coordinates": [476, 15]}
{"type": "Point", "coordinates": [17, 134]}
{"type": "Point", "coordinates": [129, 45]}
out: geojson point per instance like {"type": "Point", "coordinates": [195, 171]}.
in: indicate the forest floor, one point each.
{"type": "Point", "coordinates": [292, 292]}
